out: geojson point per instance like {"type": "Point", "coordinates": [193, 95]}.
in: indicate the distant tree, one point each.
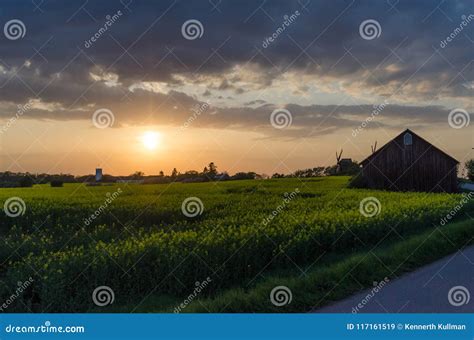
{"type": "Point", "coordinates": [191, 173]}
{"type": "Point", "coordinates": [174, 173]}
{"type": "Point", "coordinates": [162, 174]}
{"type": "Point", "coordinates": [350, 169]}
{"type": "Point", "coordinates": [244, 175]}
{"type": "Point", "coordinates": [212, 169]}
{"type": "Point", "coordinates": [470, 169]}
{"type": "Point", "coordinates": [305, 173]}
{"type": "Point", "coordinates": [330, 170]}
{"type": "Point", "coordinates": [138, 174]}
{"type": "Point", "coordinates": [26, 182]}
{"type": "Point", "coordinates": [318, 171]}
{"type": "Point", "coordinates": [205, 171]}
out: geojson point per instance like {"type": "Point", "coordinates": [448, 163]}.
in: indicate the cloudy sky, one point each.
{"type": "Point", "coordinates": [269, 86]}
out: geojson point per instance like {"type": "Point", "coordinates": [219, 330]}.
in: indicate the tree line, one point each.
{"type": "Point", "coordinates": [209, 173]}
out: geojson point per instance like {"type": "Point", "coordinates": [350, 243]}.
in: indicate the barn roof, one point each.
{"type": "Point", "coordinates": [393, 141]}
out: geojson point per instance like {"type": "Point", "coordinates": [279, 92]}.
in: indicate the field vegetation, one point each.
{"type": "Point", "coordinates": [136, 239]}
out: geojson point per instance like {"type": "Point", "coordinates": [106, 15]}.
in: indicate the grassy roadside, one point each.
{"type": "Point", "coordinates": [331, 282]}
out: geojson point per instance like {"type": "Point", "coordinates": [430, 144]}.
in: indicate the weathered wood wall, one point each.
{"type": "Point", "coordinates": [416, 167]}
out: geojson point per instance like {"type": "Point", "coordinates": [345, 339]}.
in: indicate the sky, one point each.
{"type": "Point", "coordinates": [265, 86]}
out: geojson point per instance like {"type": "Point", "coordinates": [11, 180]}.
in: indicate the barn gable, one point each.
{"type": "Point", "coordinates": [410, 163]}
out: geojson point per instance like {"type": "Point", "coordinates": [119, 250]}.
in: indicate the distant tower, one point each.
{"type": "Point", "coordinates": [98, 174]}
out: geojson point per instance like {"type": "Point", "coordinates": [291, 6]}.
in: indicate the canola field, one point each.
{"type": "Point", "coordinates": [60, 244]}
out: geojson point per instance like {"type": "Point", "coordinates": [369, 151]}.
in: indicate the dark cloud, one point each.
{"type": "Point", "coordinates": [255, 102]}
{"type": "Point", "coordinates": [179, 109]}
{"type": "Point", "coordinates": [145, 44]}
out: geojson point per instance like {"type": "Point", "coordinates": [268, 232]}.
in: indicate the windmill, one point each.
{"type": "Point", "coordinates": [374, 147]}
{"type": "Point", "coordinates": [338, 161]}
{"type": "Point", "coordinates": [343, 164]}
{"type": "Point", "coordinates": [338, 157]}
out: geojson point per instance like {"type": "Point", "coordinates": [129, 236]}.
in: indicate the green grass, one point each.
{"type": "Point", "coordinates": [150, 254]}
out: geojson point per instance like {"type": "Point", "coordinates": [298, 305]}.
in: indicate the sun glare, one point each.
{"type": "Point", "coordinates": [150, 140]}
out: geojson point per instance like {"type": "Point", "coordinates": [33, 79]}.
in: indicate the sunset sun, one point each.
{"type": "Point", "coordinates": [150, 140]}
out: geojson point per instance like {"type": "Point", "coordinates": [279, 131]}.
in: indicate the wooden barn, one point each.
{"type": "Point", "coordinates": [410, 163]}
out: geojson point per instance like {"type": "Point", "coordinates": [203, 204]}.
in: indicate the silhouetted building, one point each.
{"type": "Point", "coordinates": [410, 163]}
{"type": "Point", "coordinates": [98, 174]}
